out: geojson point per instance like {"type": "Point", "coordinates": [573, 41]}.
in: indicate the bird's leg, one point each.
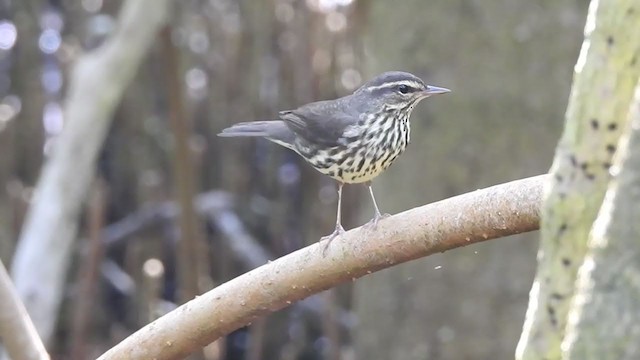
{"type": "Point", "coordinates": [373, 223]}
{"type": "Point", "coordinates": [339, 229]}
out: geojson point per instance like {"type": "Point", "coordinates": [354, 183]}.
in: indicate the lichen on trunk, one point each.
{"type": "Point", "coordinates": [604, 321]}
{"type": "Point", "coordinates": [605, 76]}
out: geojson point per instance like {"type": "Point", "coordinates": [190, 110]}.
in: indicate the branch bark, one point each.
{"type": "Point", "coordinates": [497, 211]}
{"type": "Point", "coordinates": [97, 83]}
{"type": "Point", "coordinates": [17, 332]}
{"type": "Point", "coordinates": [605, 77]}
{"type": "Point", "coordinates": [604, 322]}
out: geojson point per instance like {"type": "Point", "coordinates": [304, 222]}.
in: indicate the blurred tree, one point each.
{"type": "Point", "coordinates": [20, 134]}
{"type": "Point", "coordinates": [508, 65]}
{"type": "Point", "coordinates": [49, 232]}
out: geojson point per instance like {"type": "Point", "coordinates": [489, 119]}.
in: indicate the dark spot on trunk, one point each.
{"type": "Point", "coordinates": [563, 228]}
{"type": "Point", "coordinates": [573, 160]}
{"type": "Point", "coordinates": [611, 148]}
{"type": "Point", "coordinates": [551, 310]}
{"type": "Point", "coordinates": [552, 315]}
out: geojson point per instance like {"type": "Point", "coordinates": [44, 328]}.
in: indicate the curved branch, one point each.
{"type": "Point", "coordinates": [477, 216]}
{"type": "Point", "coordinates": [17, 332]}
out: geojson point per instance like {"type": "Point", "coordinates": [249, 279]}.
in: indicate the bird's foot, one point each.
{"type": "Point", "coordinates": [337, 232]}
{"type": "Point", "coordinates": [373, 223]}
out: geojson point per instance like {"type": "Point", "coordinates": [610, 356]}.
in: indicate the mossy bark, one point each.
{"type": "Point", "coordinates": [605, 77]}
{"type": "Point", "coordinates": [604, 321]}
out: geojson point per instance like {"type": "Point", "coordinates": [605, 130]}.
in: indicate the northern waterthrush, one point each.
{"type": "Point", "coordinates": [353, 138]}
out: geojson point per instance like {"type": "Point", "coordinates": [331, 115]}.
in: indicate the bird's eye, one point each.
{"type": "Point", "coordinates": [404, 89]}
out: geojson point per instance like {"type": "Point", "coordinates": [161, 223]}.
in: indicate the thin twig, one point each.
{"type": "Point", "coordinates": [216, 206]}
{"type": "Point", "coordinates": [257, 337]}
{"type": "Point", "coordinates": [189, 256]}
{"type": "Point", "coordinates": [208, 202]}
{"type": "Point", "coordinates": [89, 273]}
{"type": "Point", "coordinates": [481, 215]}
{"type": "Point", "coordinates": [330, 327]}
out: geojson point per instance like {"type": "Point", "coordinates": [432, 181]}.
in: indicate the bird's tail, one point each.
{"type": "Point", "coordinates": [275, 130]}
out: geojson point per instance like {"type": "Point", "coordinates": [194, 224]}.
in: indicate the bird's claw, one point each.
{"type": "Point", "coordinates": [373, 223]}
{"type": "Point", "coordinates": [337, 232]}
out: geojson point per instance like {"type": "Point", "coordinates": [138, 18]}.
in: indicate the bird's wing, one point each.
{"type": "Point", "coordinates": [321, 123]}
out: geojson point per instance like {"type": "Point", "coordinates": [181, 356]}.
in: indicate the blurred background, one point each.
{"type": "Point", "coordinates": [509, 64]}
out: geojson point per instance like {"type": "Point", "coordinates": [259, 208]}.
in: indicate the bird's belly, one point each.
{"type": "Point", "coordinates": [362, 159]}
{"type": "Point", "coordinates": [352, 176]}
{"type": "Point", "coordinates": [354, 165]}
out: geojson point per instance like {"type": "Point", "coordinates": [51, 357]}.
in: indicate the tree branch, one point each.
{"type": "Point", "coordinates": [98, 81]}
{"type": "Point", "coordinates": [17, 332]}
{"type": "Point", "coordinates": [494, 212]}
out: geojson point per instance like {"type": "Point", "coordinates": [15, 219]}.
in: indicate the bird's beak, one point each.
{"type": "Point", "coordinates": [433, 90]}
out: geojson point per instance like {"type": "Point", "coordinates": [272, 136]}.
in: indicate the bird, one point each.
{"type": "Point", "coordinates": [351, 139]}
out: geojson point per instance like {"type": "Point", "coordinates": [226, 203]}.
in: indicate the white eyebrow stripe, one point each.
{"type": "Point", "coordinates": [410, 83]}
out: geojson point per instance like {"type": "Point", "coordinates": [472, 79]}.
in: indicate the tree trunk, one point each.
{"type": "Point", "coordinates": [605, 321]}
{"type": "Point", "coordinates": [605, 76]}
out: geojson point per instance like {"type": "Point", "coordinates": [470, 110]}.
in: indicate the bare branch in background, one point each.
{"type": "Point", "coordinates": [191, 260]}
{"type": "Point", "coordinates": [216, 206]}
{"type": "Point", "coordinates": [463, 220]}
{"type": "Point", "coordinates": [19, 336]}
{"type": "Point", "coordinates": [97, 83]}
{"type": "Point", "coordinates": [89, 272]}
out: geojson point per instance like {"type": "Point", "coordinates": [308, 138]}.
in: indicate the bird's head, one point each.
{"type": "Point", "coordinates": [397, 90]}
